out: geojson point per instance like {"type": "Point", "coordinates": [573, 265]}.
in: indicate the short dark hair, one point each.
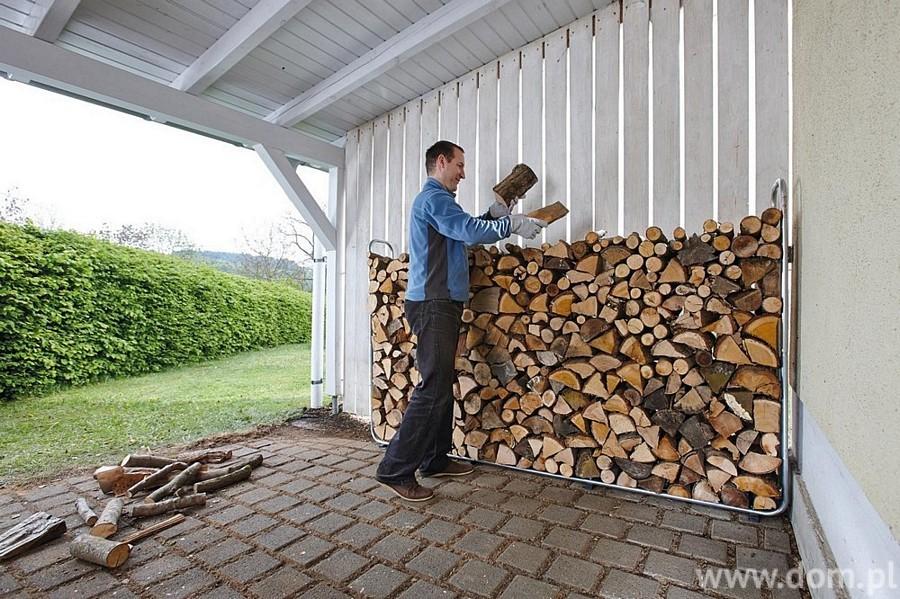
{"type": "Point", "coordinates": [442, 148]}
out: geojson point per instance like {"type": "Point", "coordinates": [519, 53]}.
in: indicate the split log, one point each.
{"type": "Point", "coordinates": [108, 522]}
{"type": "Point", "coordinates": [35, 530]}
{"type": "Point", "coordinates": [99, 550]}
{"type": "Point", "coordinates": [185, 477]}
{"type": "Point", "coordinates": [85, 512]}
{"type": "Point", "coordinates": [516, 184]}
{"type": "Point", "coordinates": [551, 213]}
{"type": "Point", "coordinates": [157, 479]}
{"type": "Point", "coordinates": [142, 510]}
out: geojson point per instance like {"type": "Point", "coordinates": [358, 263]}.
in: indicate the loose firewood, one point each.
{"type": "Point", "coordinates": [142, 510]}
{"type": "Point", "coordinates": [550, 213]}
{"type": "Point", "coordinates": [765, 328]}
{"type": "Point", "coordinates": [146, 461]}
{"type": "Point", "coordinates": [223, 481]}
{"type": "Point", "coordinates": [108, 522]}
{"type": "Point", "coordinates": [516, 184]}
{"type": "Point", "coordinates": [760, 353]}
{"type": "Point", "coordinates": [185, 477]}
{"type": "Point", "coordinates": [757, 463]}
{"type": "Point", "coordinates": [157, 479]}
{"type": "Point", "coordinates": [35, 530]}
{"type": "Point", "coordinates": [99, 550]}
{"type": "Point", "coordinates": [728, 350]}
{"type": "Point", "coordinates": [751, 225]}
{"type": "Point", "coordinates": [757, 486]}
{"type": "Point", "coordinates": [757, 379]}
{"type": "Point", "coordinates": [253, 461]}
{"type": "Point", "coordinates": [86, 513]}
{"type": "Point", "coordinates": [208, 456]}
{"type": "Point", "coordinates": [149, 531]}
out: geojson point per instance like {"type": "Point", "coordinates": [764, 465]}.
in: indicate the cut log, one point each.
{"type": "Point", "coordinates": [185, 477]}
{"type": "Point", "coordinates": [766, 416]}
{"type": "Point", "coordinates": [98, 550]}
{"type": "Point", "coordinates": [209, 456]}
{"type": "Point", "coordinates": [516, 184]}
{"type": "Point", "coordinates": [35, 530]}
{"type": "Point", "coordinates": [756, 485]}
{"type": "Point", "coordinates": [142, 510]}
{"type": "Point", "coordinates": [146, 461]}
{"type": "Point", "coordinates": [757, 379]}
{"type": "Point", "coordinates": [108, 522]}
{"type": "Point", "coordinates": [220, 482]}
{"type": "Point", "coordinates": [550, 213]}
{"type": "Point", "coordinates": [760, 353]}
{"type": "Point", "coordinates": [757, 463]}
{"type": "Point", "coordinates": [85, 512]}
{"type": "Point", "coordinates": [157, 479]}
{"type": "Point", "coordinates": [149, 531]}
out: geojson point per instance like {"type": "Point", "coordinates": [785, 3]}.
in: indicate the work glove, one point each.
{"type": "Point", "coordinates": [498, 209]}
{"type": "Point", "coordinates": [527, 227]}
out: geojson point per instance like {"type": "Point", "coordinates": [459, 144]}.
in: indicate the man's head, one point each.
{"type": "Point", "coordinates": [446, 162]}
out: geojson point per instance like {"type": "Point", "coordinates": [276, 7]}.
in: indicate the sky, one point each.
{"type": "Point", "coordinates": [82, 165]}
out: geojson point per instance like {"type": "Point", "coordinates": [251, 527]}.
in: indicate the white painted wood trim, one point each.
{"type": "Point", "coordinates": [358, 397]}
{"type": "Point", "coordinates": [581, 180]}
{"type": "Point", "coordinates": [450, 112]}
{"type": "Point", "coordinates": [264, 19]}
{"type": "Point", "coordinates": [424, 33]}
{"type": "Point", "coordinates": [413, 157]}
{"type": "Point", "coordinates": [698, 114]}
{"type": "Point", "coordinates": [487, 137]}
{"type": "Point", "coordinates": [637, 115]}
{"type": "Point", "coordinates": [395, 215]}
{"type": "Point", "coordinates": [606, 150]}
{"type": "Point", "coordinates": [30, 59]}
{"type": "Point", "coordinates": [666, 106]}
{"type": "Point", "coordinates": [532, 126]}
{"type": "Point", "coordinates": [734, 110]}
{"type": "Point", "coordinates": [48, 18]}
{"type": "Point", "coordinates": [468, 121]}
{"type": "Point", "coordinates": [379, 179]}
{"type": "Point", "coordinates": [334, 286]}
{"type": "Point", "coordinates": [555, 155]}
{"type": "Point", "coordinates": [286, 175]}
{"type": "Point", "coordinates": [772, 107]}
{"type": "Point", "coordinates": [430, 123]}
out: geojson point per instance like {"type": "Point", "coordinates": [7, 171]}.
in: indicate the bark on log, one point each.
{"type": "Point", "coordinates": [85, 512]}
{"type": "Point", "coordinates": [35, 530]}
{"type": "Point", "coordinates": [157, 479]}
{"type": "Point", "coordinates": [220, 482]}
{"type": "Point", "coordinates": [516, 184]}
{"type": "Point", "coordinates": [99, 550]}
{"type": "Point", "coordinates": [185, 477]}
{"type": "Point", "coordinates": [142, 510]}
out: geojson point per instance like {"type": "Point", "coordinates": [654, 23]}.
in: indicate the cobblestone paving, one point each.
{"type": "Point", "coordinates": [312, 522]}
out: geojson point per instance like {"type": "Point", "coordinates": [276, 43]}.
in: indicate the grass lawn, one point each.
{"type": "Point", "coordinates": [98, 423]}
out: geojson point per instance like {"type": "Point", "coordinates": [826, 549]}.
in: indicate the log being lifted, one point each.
{"type": "Point", "coordinates": [516, 184]}
{"type": "Point", "coordinates": [142, 510]}
{"type": "Point", "coordinates": [97, 550]}
{"type": "Point", "coordinates": [108, 522]}
{"type": "Point", "coordinates": [35, 530]}
{"type": "Point", "coordinates": [185, 477]}
{"type": "Point", "coordinates": [85, 511]}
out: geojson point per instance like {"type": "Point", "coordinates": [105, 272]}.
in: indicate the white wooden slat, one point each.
{"type": "Point", "coordinates": [532, 125]}
{"type": "Point", "coordinates": [698, 114]}
{"type": "Point", "coordinates": [734, 110]}
{"type": "Point", "coordinates": [581, 180]}
{"type": "Point", "coordinates": [636, 64]}
{"type": "Point", "coordinates": [396, 234]}
{"type": "Point", "coordinates": [508, 115]}
{"type": "Point", "coordinates": [413, 155]}
{"type": "Point", "coordinates": [487, 136]}
{"type": "Point", "coordinates": [606, 150]}
{"type": "Point", "coordinates": [555, 129]}
{"type": "Point", "coordinates": [450, 111]}
{"type": "Point", "coordinates": [352, 279]}
{"type": "Point", "coordinates": [430, 107]}
{"type": "Point", "coordinates": [468, 121]}
{"type": "Point", "coordinates": [379, 179]}
{"type": "Point", "coordinates": [771, 97]}
{"type": "Point", "coordinates": [666, 135]}
{"type": "Point", "coordinates": [357, 267]}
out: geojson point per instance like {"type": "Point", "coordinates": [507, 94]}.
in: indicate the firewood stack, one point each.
{"type": "Point", "coordinates": [644, 362]}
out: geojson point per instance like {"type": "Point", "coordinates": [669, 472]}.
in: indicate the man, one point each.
{"type": "Point", "coordinates": [438, 285]}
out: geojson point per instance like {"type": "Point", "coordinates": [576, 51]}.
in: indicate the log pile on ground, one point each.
{"type": "Point", "coordinates": [646, 362]}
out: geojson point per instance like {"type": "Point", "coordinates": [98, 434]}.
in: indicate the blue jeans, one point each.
{"type": "Point", "coordinates": [424, 437]}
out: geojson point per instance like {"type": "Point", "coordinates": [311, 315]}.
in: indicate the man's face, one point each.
{"type": "Point", "coordinates": [451, 172]}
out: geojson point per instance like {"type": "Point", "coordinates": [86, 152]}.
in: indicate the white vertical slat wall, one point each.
{"type": "Point", "coordinates": [615, 110]}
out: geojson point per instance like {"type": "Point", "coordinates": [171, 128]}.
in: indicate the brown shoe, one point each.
{"type": "Point", "coordinates": [412, 491]}
{"type": "Point", "coordinates": [453, 469]}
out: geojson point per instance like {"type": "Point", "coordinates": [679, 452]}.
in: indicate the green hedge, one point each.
{"type": "Point", "coordinates": [74, 309]}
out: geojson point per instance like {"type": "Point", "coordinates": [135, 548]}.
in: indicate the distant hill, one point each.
{"type": "Point", "coordinates": [254, 267]}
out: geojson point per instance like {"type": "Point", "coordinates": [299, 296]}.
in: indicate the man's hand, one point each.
{"type": "Point", "coordinates": [527, 227]}
{"type": "Point", "coordinates": [498, 209]}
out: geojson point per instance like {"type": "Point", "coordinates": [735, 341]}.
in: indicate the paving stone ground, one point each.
{"type": "Point", "coordinates": [312, 522]}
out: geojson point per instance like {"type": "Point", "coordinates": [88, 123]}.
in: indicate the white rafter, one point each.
{"type": "Point", "coordinates": [49, 17]}
{"type": "Point", "coordinates": [286, 175]}
{"type": "Point", "coordinates": [28, 59]}
{"type": "Point", "coordinates": [422, 34]}
{"type": "Point", "coordinates": [264, 19]}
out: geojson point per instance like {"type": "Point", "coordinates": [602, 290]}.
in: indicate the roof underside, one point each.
{"type": "Point", "coordinates": [305, 45]}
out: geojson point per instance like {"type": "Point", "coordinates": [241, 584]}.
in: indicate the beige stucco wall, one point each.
{"type": "Point", "coordinates": [846, 70]}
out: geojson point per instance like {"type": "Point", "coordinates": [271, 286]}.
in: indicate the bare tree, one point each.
{"type": "Point", "coordinates": [266, 256]}
{"type": "Point", "coordinates": [19, 210]}
{"type": "Point", "coordinates": [146, 236]}
{"type": "Point", "coordinates": [298, 235]}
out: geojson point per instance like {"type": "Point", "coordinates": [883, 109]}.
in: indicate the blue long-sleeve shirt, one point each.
{"type": "Point", "coordinates": [439, 231]}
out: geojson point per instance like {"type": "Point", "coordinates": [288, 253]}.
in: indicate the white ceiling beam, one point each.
{"type": "Point", "coordinates": [286, 175]}
{"type": "Point", "coordinates": [28, 59]}
{"type": "Point", "coordinates": [49, 17]}
{"type": "Point", "coordinates": [250, 31]}
{"type": "Point", "coordinates": [424, 33]}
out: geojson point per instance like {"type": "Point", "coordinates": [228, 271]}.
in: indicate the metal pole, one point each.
{"type": "Point", "coordinates": [318, 324]}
